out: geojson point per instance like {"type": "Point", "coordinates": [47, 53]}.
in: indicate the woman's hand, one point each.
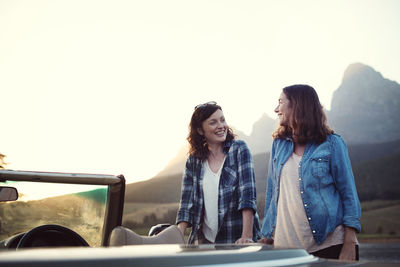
{"type": "Point", "coordinates": [266, 241]}
{"type": "Point", "coordinates": [244, 240]}
{"type": "Point", "coordinates": [247, 229]}
{"type": "Point", "coordinates": [348, 252]}
{"type": "Point", "coordinates": [182, 226]}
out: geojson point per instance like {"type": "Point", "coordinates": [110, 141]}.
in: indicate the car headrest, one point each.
{"type": "Point", "coordinates": [121, 236]}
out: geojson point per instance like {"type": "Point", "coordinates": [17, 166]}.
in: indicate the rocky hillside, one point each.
{"type": "Point", "coordinates": [366, 106]}
{"type": "Point", "coordinates": [365, 111]}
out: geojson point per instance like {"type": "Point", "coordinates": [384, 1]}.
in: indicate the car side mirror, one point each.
{"type": "Point", "coordinates": [8, 193]}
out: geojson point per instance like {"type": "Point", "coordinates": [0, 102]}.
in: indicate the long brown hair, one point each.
{"type": "Point", "coordinates": [197, 143]}
{"type": "Point", "coordinates": [307, 122]}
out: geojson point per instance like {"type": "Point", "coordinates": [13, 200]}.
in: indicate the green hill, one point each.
{"type": "Point", "coordinates": [165, 189]}
{"type": "Point", "coordinates": [381, 217]}
{"type": "Point", "coordinates": [379, 178]}
{"type": "Point", "coordinates": [365, 152]}
{"type": "Point", "coordinates": [376, 169]}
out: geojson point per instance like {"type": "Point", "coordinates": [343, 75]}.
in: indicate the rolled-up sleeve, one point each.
{"type": "Point", "coordinates": [186, 202]}
{"type": "Point", "coordinates": [344, 180]}
{"type": "Point", "coordinates": [247, 182]}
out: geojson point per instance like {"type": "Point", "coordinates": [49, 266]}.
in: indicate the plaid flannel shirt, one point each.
{"type": "Point", "coordinates": [237, 191]}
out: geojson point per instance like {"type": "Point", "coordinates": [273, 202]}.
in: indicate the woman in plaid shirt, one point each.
{"type": "Point", "coordinates": [218, 188]}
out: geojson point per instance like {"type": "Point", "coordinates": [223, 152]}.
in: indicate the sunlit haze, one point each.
{"type": "Point", "coordinates": [109, 86]}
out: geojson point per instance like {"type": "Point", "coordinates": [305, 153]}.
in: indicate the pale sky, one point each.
{"type": "Point", "coordinates": [109, 86]}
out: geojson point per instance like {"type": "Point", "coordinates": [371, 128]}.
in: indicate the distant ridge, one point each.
{"type": "Point", "coordinates": [260, 139]}
{"type": "Point", "coordinates": [368, 163]}
{"type": "Point", "coordinates": [167, 189]}
{"type": "Point", "coordinates": [366, 107]}
{"type": "Point", "coordinates": [378, 178]}
{"type": "Point", "coordinates": [365, 152]}
{"type": "Point", "coordinates": [176, 165]}
{"type": "Point", "coordinates": [365, 111]}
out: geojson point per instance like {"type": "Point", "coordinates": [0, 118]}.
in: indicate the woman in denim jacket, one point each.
{"type": "Point", "coordinates": [218, 188]}
{"type": "Point", "coordinates": [311, 198]}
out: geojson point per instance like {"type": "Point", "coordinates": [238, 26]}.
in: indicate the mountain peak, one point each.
{"type": "Point", "coordinates": [366, 102]}
{"type": "Point", "coordinates": [260, 139]}
{"type": "Point", "coordinates": [360, 70]}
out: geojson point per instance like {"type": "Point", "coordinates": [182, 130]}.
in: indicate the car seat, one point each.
{"type": "Point", "coordinates": [122, 236]}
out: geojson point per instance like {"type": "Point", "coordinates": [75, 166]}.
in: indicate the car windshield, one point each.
{"type": "Point", "coordinates": [78, 207]}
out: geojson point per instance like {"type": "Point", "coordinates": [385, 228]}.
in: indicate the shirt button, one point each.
{"type": "Point", "coordinates": [299, 179]}
{"type": "Point", "coordinates": [309, 218]}
{"type": "Point", "coordinates": [301, 192]}
{"type": "Point", "coordinates": [305, 205]}
{"type": "Point", "coordinates": [313, 231]}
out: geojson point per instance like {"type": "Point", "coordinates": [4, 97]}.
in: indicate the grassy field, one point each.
{"type": "Point", "coordinates": [377, 204]}
{"type": "Point", "coordinates": [381, 218]}
{"type": "Point", "coordinates": [145, 215]}
{"type": "Point", "coordinates": [83, 215]}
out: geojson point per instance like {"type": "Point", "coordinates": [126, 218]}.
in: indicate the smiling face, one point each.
{"type": "Point", "coordinates": [283, 110]}
{"type": "Point", "coordinates": [214, 128]}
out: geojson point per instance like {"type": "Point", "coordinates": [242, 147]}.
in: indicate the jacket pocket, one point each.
{"type": "Point", "coordinates": [320, 166]}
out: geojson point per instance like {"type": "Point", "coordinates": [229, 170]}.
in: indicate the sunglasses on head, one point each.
{"type": "Point", "coordinates": [205, 104]}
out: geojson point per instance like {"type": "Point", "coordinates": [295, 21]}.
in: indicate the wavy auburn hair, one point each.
{"type": "Point", "coordinates": [307, 122]}
{"type": "Point", "coordinates": [197, 143]}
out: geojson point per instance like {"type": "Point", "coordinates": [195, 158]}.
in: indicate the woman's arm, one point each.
{"type": "Point", "coordinates": [186, 202]}
{"type": "Point", "coordinates": [348, 250]}
{"type": "Point", "coordinates": [183, 226]}
{"type": "Point", "coordinates": [344, 180]}
{"type": "Point", "coordinates": [267, 237]}
{"type": "Point", "coordinates": [246, 179]}
{"type": "Point", "coordinates": [247, 193]}
{"type": "Point", "coordinates": [247, 229]}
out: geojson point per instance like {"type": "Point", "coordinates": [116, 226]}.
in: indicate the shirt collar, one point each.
{"type": "Point", "coordinates": [226, 146]}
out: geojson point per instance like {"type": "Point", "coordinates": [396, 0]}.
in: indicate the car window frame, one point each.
{"type": "Point", "coordinates": [115, 192]}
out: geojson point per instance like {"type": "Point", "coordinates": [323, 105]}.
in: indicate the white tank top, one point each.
{"type": "Point", "coordinates": [292, 227]}
{"type": "Point", "coordinates": [210, 196]}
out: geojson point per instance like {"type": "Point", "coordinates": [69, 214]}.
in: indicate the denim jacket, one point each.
{"type": "Point", "coordinates": [327, 186]}
{"type": "Point", "coordinates": [237, 191]}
